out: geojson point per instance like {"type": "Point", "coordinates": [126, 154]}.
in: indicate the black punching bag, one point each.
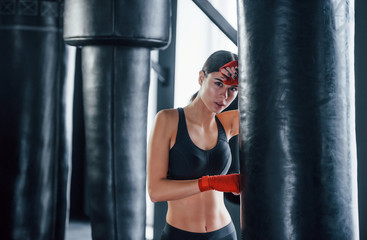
{"type": "Point", "coordinates": [35, 130]}
{"type": "Point", "coordinates": [116, 37]}
{"type": "Point", "coordinates": [298, 150]}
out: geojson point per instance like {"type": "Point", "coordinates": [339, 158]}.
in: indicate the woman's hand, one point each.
{"type": "Point", "coordinates": [230, 71]}
{"type": "Point", "coordinates": [222, 183]}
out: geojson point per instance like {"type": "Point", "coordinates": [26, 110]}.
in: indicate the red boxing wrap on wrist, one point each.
{"type": "Point", "coordinates": [222, 183]}
{"type": "Point", "coordinates": [233, 80]}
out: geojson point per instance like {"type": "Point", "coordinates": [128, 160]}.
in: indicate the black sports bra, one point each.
{"type": "Point", "coordinates": [187, 161]}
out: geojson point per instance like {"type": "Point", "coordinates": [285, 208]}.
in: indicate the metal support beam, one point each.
{"type": "Point", "coordinates": [217, 19]}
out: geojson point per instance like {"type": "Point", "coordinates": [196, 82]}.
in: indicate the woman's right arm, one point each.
{"type": "Point", "coordinates": [159, 187]}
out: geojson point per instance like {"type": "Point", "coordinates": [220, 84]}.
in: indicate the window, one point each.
{"type": "Point", "coordinates": [197, 38]}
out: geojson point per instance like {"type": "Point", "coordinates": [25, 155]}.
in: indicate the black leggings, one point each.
{"type": "Point", "coordinates": [226, 233]}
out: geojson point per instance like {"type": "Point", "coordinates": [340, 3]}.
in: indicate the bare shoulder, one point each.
{"type": "Point", "coordinates": [167, 119]}
{"type": "Point", "coordinates": [230, 116]}
{"type": "Point", "coordinates": [230, 122]}
{"type": "Point", "coordinates": [167, 116]}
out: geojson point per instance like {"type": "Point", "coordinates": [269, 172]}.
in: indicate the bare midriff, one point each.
{"type": "Point", "coordinates": [203, 212]}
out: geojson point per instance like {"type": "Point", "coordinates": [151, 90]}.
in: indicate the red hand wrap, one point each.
{"type": "Point", "coordinates": [222, 183]}
{"type": "Point", "coordinates": [230, 80]}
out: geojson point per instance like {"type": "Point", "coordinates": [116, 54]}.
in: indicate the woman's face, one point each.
{"type": "Point", "coordinates": [216, 95]}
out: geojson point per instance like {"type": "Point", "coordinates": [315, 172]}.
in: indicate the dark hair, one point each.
{"type": "Point", "coordinates": [217, 60]}
{"type": "Point", "coordinates": [214, 62]}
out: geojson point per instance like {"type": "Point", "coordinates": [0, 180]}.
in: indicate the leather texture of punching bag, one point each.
{"type": "Point", "coordinates": [298, 149]}
{"type": "Point", "coordinates": [35, 130]}
{"type": "Point", "coordinates": [117, 37]}
{"type": "Point", "coordinates": [115, 124]}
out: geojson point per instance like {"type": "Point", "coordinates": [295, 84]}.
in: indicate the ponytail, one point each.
{"type": "Point", "coordinates": [194, 96]}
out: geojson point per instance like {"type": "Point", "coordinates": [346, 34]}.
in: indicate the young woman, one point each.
{"type": "Point", "coordinates": [189, 156]}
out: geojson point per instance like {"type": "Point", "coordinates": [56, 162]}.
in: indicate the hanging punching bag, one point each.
{"type": "Point", "coordinates": [116, 37]}
{"type": "Point", "coordinates": [298, 150]}
{"type": "Point", "coordinates": [35, 134]}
